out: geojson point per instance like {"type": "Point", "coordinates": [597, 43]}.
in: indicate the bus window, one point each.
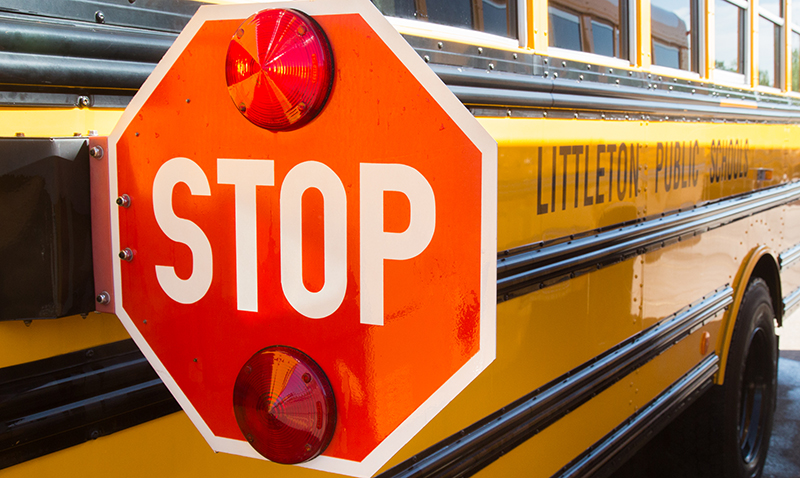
{"type": "Point", "coordinates": [498, 17]}
{"type": "Point", "coordinates": [729, 37]}
{"type": "Point", "coordinates": [795, 32]}
{"type": "Point", "coordinates": [795, 61]}
{"type": "Point", "coordinates": [593, 26]}
{"type": "Point", "coordinates": [770, 24]}
{"type": "Point", "coordinates": [769, 38]}
{"type": "Point", "coordinates": [671, 28]}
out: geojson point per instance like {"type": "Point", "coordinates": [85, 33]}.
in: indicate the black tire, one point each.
{"type": "Point", "coordinates": [749, 393]}
{"type": "Point", "coordinates": [712, 438]}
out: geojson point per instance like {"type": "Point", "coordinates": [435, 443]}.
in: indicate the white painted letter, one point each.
{"type": "Point", "coordinates": [376, 244]}
{"type": "Point", "coordinates": [312, 174]}
{"type": "Point", "coordinates": [174, 171]}
{"type": "Point", "coordinates": [245, 175]}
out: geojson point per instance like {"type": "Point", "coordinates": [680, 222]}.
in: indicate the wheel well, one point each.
{"type": "Point", "coordinates": [767, 269]}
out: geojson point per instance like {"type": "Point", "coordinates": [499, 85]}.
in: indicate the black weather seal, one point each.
{"type": "Point", "coordinates": [480, 444]}
{"type": "Point", "coordinates": [62, 401]}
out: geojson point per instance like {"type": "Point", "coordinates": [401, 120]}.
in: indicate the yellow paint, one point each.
{"type": "Point", "coordinates": [741, 281]}
{"type": "Point", "coordinates": [643, 45]}
{"type": "Point", "coordinates": [539, 24]}
{"type": "Point", "coordinates": [541, 335]}
{"type": "Point", "coordinates": [47, 338]}
{"type": "Point", "coordinates": [42, 122]}
{"type": "Point", "coordinates": [520, 194]}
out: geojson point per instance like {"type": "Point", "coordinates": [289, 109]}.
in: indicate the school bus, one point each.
{"type": "Point", "coordinates": [647, 233]}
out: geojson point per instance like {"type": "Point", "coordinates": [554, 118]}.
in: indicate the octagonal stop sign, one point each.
{"type": "Point", "coordinates": [364, 238]}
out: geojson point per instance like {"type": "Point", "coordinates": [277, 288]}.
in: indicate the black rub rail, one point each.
{"type": "Point", "coordinates": [478, 445]}
{"type": "Point", "coordinates": [529, 268]}
{"type": "Point", "coordinates": [609, 453]}
{"type": "Point", "coordinates": [51, 404]}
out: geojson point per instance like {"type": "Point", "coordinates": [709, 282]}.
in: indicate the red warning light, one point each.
{"type": "Point", "coordinates": [279, 69]}
{"type": "Point", "coordinates": [284, 405]}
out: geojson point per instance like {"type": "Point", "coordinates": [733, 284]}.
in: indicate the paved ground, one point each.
{"type": "Point", "coordinates": [784, 452]}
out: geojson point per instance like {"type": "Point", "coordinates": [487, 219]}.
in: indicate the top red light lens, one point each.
{"type": "Point", "coordinates": [284, 405]}
{"type": "Point", "coordinates": [279, 69]}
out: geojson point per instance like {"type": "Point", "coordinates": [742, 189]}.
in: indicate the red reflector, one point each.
{"type": "Point", "coordinates": [279, 69]}
{"type": "Point", "coordinates": [284, 405]}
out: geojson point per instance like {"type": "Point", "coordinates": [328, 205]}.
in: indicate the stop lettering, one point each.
{"type": "Point", "coordinates": [246, 175]}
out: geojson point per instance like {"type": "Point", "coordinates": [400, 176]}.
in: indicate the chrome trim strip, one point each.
{"type": "Point", "coordinates": [789, 257]}
{"type": "Point", "coordinates": [529, 268]}
{"type": "Point", "coordinates": [476, 86]}
{"type": "Point", "coordinates": [791, 300]}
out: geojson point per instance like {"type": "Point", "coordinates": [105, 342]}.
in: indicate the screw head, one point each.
{"type": "Point", "coordinates": [99, 17]}
{"type": "Point", "coordinates": [84, 101]}
{"type": "Point", "coordinates": [96, 152]}
{"type": "Point", "coordinates": [126, 254]}
{"type": "Point", "coordinates": [103, 298]}
{"type": "Point", "coordinates": [124, 201]}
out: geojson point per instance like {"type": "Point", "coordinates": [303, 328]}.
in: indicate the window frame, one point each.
{"type": "Point", "coordinates": [792, 27]}
{"type": "Point", "coordinates": [726, 77]}
{"type": "Point", "coordinates": [780, 47]}
{"type": "Point", "coordinates": [627, 40]}
{"type": "Point", "coordinates": [698, 45]}
{"type": "Point", "coordinates": [471, 36]}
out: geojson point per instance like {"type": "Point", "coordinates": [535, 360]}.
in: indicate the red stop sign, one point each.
{"type": "Point", "coordinates": [365, 239]}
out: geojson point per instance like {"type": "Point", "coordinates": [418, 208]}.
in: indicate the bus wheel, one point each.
{"type": "Point", "coordinates": [748, 395]}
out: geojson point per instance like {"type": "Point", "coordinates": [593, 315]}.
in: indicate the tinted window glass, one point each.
{"type": "Point", "coordinates": [495, 17]}
{"type": "Point", "coordinates": [729, 39]}
{"type": "Point", "coordinates": [666, 55]}
{"type": "Point", "coordinates": [670, 26]}
{"type": "Point", "coordinates": [565, 29]}
{"type": "Point", "coordinates": [492, 16]}
{"type": "Point", "coordinates": [796, 12]}
{"type": "Point", "coordinates": [603, 38]}
{"type": "Point", "coordinates": [397, 8]}
{"type": "Point", "coordinates": [450, 12]}
{"type": "Point", "coordinates": [768, 38]}
{"type": "Point", "coordinates": [774, 7]}
{"type": "Point", "coordinates": [593, 26]}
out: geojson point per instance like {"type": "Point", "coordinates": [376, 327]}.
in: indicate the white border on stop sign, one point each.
{"type": "Point", "coordinates": [458, 113]}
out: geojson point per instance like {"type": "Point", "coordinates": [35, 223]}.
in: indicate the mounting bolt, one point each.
{"type": "Point", "coordinates": [126, 254]}
{"type": "Point", "coordinates": [124, 201]}
{"type": "Point", "coordinates": [84, 101]}
{"type": "Point", "coordinates": [96, 152]}
{"type": "Point", "coordinates": [99, 17]}
{"type": "Point", "coordinates": [104, 298]}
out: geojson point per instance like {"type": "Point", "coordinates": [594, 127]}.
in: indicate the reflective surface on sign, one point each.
{"type": "Point", "coordinates": [284, 405]}
{"type": "Point", "coordinates": [436, 310]}
{"type": "Point", "coordinates": [279, 69]}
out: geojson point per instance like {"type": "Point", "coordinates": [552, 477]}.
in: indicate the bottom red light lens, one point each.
{"type": "Point", "coordinates": [284, 405]}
